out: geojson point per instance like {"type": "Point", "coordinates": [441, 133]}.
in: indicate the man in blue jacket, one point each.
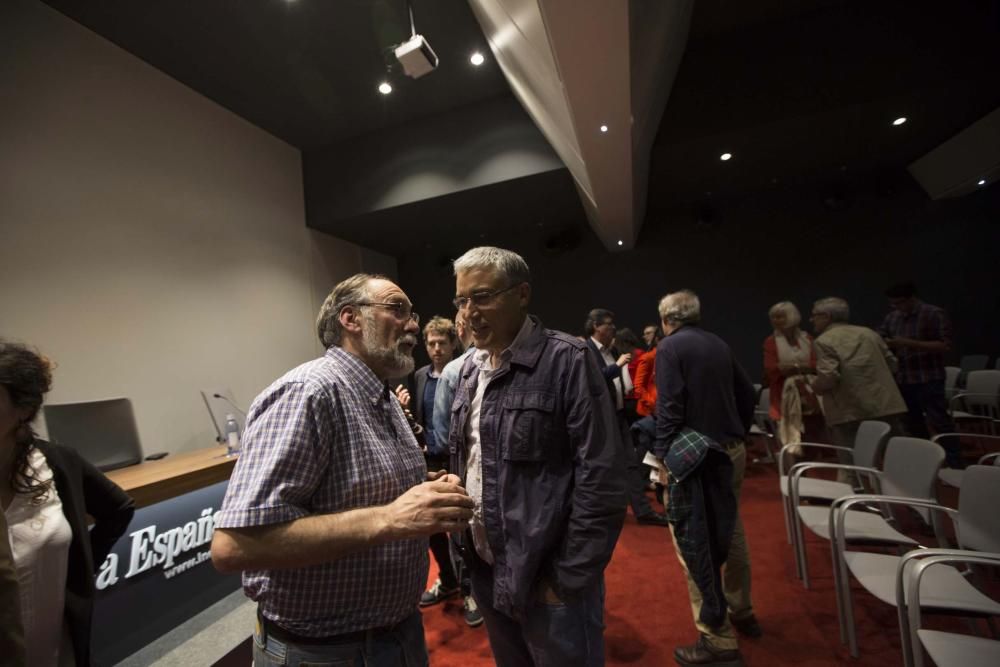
{"type": "Point", "coordinates": [703, 394]}
{"type": "Point", "coordinates": [532, 436]}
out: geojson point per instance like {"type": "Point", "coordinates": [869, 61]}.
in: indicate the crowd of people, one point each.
{"type": "Point", "coordinates": [513, 457]}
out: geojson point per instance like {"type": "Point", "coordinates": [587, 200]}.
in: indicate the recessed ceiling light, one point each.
{"type": "Point", "coordinates": [620, 242]}
{"type": "Point", "coordinates": [604, 128]}
{"type": "Point", "coordinates": [477, 59]}
{"type": "Point", "coordinates": [899, 121]}
{"type": "Point", "coordinates": [982, 181]}
{"type": "Point", "coordinates": [725, 156]}
{"type": "Point", "coordinates": [384, 88]}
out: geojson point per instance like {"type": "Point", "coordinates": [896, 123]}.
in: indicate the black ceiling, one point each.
{"type": "Point", "coordinates": [799, 92]}
{"type": "Point", "coordinates": [306, 71]}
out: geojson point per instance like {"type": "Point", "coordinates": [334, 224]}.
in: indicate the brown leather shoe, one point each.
{"type": "Point", "coordinates": [701, 653]}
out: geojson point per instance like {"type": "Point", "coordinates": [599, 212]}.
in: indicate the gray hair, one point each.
{"type": "Point", "coordinates": [347, 292]}
{"type": "Point", "coordinates": [505, 262]}
{"type": "Point", "coordinates": [792, 315]}
{"type": "Point", "coordinates": [835, 307]}
{"type": "Point", "coordinates": [681, 307]}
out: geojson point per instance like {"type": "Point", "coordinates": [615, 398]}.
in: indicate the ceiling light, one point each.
{"type": "Point", "coordinates": [604, 128]}
{"type": "Point", "coordinates": [725, 156]}
{"type": "Point", "coordinates": [899, 121]}
{"type": "Point", "coordinates": [620, 242]}
{"type": "Point", "coordinates": [982, 181]}
{"type": "Point", "coordinates": [384, 88]}
{"type": "Point", "coordinates": [477, 59]}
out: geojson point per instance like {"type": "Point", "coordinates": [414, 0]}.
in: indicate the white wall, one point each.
{"type": "Point", "coordinates": [151, 242]}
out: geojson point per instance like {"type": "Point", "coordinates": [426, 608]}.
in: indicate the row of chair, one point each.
{"type": "Point", "coordinates": [869, 515]}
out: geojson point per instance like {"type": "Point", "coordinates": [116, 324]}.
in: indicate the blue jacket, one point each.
{"type": "Point", "coordinates": [553, 478]}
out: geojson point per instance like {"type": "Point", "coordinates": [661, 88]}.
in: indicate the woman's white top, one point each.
{"type": "Point", "coordinates": [40, 537]}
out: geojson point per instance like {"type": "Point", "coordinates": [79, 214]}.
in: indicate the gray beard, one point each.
{"type": "Point", "coordinates": [393, 360]}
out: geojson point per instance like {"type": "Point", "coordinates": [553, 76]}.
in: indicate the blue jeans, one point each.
{"type": "Point", "coordinates": [570, 634]}
{"type": "Point", "coordinates": [403, 646]}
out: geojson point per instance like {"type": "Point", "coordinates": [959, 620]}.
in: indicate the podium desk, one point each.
{"type": "Point", "coordinates": [151, 482]}
{"type": "Point", "coordinates": [159, 574]}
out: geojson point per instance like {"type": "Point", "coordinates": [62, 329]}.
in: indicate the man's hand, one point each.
{"type": "Point", "coordinates": [437, 474]}
{"type": "Point", "coordinates": [403, 395]}
{"type": "Point", "coordinates": [624, 359]}
{"type": "Point", "coordinates": [432, 507]}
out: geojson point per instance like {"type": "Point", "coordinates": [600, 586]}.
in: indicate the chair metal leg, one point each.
{"type": "Point", "coordinates": [845, 586]}
{"type": "Point", "coordinates": [788, 521]}
{"type": "Point", "coordinates": [841, 622]}
{"type": "Point", "coordinates": [800, 546]}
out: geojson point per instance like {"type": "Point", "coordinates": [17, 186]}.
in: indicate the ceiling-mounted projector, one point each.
{"type": "Point", "coordinates": [416, 56]}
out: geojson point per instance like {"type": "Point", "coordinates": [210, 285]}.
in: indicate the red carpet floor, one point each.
{"type": "Point", "coordinates": [648, 613]}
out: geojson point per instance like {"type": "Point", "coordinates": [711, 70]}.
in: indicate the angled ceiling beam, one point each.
{"type": "Point", "coordinates": [595, 76]}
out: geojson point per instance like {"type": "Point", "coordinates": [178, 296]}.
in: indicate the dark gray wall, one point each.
{"type": "Point", "coordinates": [743, 255]}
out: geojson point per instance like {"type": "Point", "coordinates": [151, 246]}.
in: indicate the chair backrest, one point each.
{"type": "Point", "coordinates": [764, 399]}
{"type": "Point", "coordinates": [973, 362]}
{"type": "Point", "coordinates": [103, 432]}
{"type": "Point", "coordinates": [983, 393]}
{"type": "Point", "coordinates": [951, 374]}
{"type": "Point", "coordinates": [870, 442]}
{"type": "Point", "coordinates": [978, 527]}
{"type": "Point", "coordinates": [911, 469]}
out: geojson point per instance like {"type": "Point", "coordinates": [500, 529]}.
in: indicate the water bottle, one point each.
{"type": "Point", "coordinates": [232, 436]}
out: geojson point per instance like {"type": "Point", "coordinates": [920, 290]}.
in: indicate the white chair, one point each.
{"type": "Point", "coordinates": [869, 444]}
{"type": "Point", "coordinates": [976, 528]}
{"type": "Point", "coordinates": [763, 425]}
{"type": "Point", "coordinates": [953, 477]}
{"type": "Point", "coordinates": [909, 470]}
{"type": "Point", "coordinates": [946, 649]}
{"type": "Point", "coordinates": [951, 375]}
{"type": "Point", "coordinates": [103, 431]}
{"type": "Point", "coordinates": [979, 402]}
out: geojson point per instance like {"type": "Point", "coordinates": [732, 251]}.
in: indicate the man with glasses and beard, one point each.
{"type": "Point", "coordinates": [532, 438]}
{"type": "Point", "coordinates": [329, 507]}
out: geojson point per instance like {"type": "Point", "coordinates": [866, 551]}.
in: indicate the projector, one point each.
{"type": "Point", "coordinates": [416, 56]}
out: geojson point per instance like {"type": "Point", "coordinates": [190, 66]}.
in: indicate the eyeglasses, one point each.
{"type": "Point", "coordinates": [401, 311]}
{"type": "Point", "coordinates": [480, 299]}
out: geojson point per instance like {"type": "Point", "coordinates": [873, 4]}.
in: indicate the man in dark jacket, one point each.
{"type": "Point", "coordinates": [704, 397]}
{"type": "Point", "coordinates": [532, 436]}
{"type": "Point", "coordinates": [600, 327]}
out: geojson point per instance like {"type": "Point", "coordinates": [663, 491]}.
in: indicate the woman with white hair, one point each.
{"type": "Point", "coordinates": [789, 365]}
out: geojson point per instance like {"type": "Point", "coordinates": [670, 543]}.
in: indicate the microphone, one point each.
{"type": "Point", "coordinates": [226, 399]}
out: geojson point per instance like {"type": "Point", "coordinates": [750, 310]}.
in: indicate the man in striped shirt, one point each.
{"type": "Point", "coordinates": [329, 507]}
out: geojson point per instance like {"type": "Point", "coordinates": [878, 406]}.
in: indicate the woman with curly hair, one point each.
{"type": "Point", "coordinates": [46, 493]}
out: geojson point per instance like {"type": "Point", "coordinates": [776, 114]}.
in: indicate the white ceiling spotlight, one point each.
{"type": "Point", "coordinates": [477, 59]}
{"type": "Point", "coordinates": [726, 156]}
{"type": "Point", "coordinates": [620, 242]}
{"type": "Point", "coordinates": [899, 121]}
{"type": "Point", "coordinates": [982, 181]}
{"type": "Point", "coordinates": [384, 88]}
{"type": "Point", "coordinates": [604, 128]}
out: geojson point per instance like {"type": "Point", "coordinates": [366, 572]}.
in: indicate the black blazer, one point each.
{"type": "Point", "coordinates": [417, 398]}
{"type": "Point", "coordinates": [83, 490]}
{"type": "Point", "coordinates": [609, 371]}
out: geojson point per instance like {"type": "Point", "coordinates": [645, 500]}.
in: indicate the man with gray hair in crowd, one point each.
{"type": "Point", "coordinates": [854, 375]}
{"type": "Point", "coordinates": [704, 408]}
{"type": "Point", "coordinates": [329, 507]}
{"type": "Point", "coordinates": [532, 438]}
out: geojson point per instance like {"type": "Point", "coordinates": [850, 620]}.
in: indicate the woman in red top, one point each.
{"type": "Point", "coordinates": [789, 353]}
{"type": "Point", "coordinates": [645, 380]}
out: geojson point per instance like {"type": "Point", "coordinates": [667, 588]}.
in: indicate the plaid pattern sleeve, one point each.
{"type": "Point", "coordinates": [280, 465]}
{"type": "Point", "coordinates": [326, 438]}
{"type": "Point", "coordinates": [925, 323]}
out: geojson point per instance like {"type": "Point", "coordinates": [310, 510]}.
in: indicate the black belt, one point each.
{"type": "Point", "coordinates": [272, 629]}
